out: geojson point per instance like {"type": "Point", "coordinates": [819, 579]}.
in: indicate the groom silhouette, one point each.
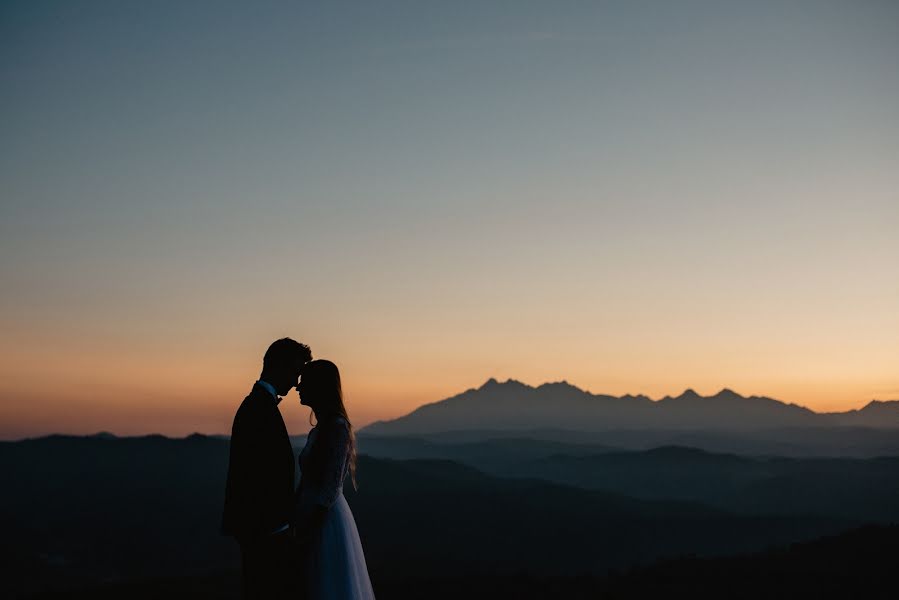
{"type": "Point", "coordinates": [260, 487]}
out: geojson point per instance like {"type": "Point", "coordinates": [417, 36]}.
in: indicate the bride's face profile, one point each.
{"type": "Point", "coordinates": [306, 393]}
{"type": "Point", "coordinates": [303, 400]}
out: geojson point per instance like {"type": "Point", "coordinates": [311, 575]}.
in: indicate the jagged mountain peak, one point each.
{"type": "Point", "coordinates": [688, 394]}
{"type": "Point", "coordinates": [881, 406]}
{"type": "Point", "coordinates": [559, 385]}
{"type": "Point", "coordinates": [493, 383]}
{"type": "Point", "coordinates": [638, 397]}
{"type": "Point", "coordinates": [724, 394]}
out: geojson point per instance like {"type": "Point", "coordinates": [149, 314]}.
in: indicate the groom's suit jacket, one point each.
{"type": "Point", "coordinates": [259, 491]}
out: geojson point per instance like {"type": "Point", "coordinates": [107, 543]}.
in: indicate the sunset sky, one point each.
{"type": "Point", "coordinates": [635, 197]}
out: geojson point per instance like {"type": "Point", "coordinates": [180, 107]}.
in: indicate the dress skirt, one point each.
{"type": "Point", "coordinates": [335, 566]}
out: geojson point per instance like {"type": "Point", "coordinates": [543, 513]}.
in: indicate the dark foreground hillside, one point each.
{"type": "Point", "coordinates": [81, 512]}
{"type": "Point", "coordinates": [856, 564]}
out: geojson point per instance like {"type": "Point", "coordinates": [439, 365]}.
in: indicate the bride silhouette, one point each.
{"type": "Point", "coordinates": [333, 563]}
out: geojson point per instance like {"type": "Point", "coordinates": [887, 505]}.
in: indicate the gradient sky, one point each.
{"type": "Point", "coordinates": [637, 197]}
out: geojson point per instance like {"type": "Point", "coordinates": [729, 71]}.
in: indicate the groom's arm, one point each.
{"type": "Point", "coordinates": [250, 489]}
{"type": "Point", "coordinates": [238, 502]}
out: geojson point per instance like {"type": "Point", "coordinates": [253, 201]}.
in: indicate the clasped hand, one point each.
{"type": "Point", "coordinates": [309, 522]}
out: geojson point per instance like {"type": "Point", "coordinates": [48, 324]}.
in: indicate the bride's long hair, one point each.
{"type": "Point", "coordinates": [321, 379]}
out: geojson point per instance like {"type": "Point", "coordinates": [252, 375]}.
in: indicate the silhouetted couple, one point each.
{"type": "Point", "coordinates": [299, 543]}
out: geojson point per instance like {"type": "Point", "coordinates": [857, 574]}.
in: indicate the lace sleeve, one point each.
{"type": "Point", "coordinates": [336, 453]}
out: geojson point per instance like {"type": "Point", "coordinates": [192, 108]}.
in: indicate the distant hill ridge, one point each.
{"type": "Point", "coordinates": [513, 405]}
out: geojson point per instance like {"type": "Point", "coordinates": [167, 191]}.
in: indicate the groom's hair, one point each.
{"type": "Point", "coordinates": [285, 352]}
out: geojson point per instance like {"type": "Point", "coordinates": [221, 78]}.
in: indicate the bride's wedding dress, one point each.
{"type": "Point", "coordinates": [335, 565]}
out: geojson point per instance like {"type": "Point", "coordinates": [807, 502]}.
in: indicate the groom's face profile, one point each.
{"type": "Point", "coordinates": [282, 364]}
{"type": "Point", "coordinates": [291, 377]}
{"type": "Point", "coordinates": [295, 378]}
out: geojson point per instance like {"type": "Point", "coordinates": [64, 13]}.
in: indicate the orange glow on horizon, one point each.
{"type": "Point", "coordinates": [194, 404]}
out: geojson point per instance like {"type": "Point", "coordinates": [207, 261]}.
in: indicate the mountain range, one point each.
{"type": "Point", "coordinates": [515, 406]}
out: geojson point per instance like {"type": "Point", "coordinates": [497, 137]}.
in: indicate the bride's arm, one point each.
{"type": "Point", "coordinates": [333, 455]}
{"type": "Point", "coordinates": [334, 467]}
